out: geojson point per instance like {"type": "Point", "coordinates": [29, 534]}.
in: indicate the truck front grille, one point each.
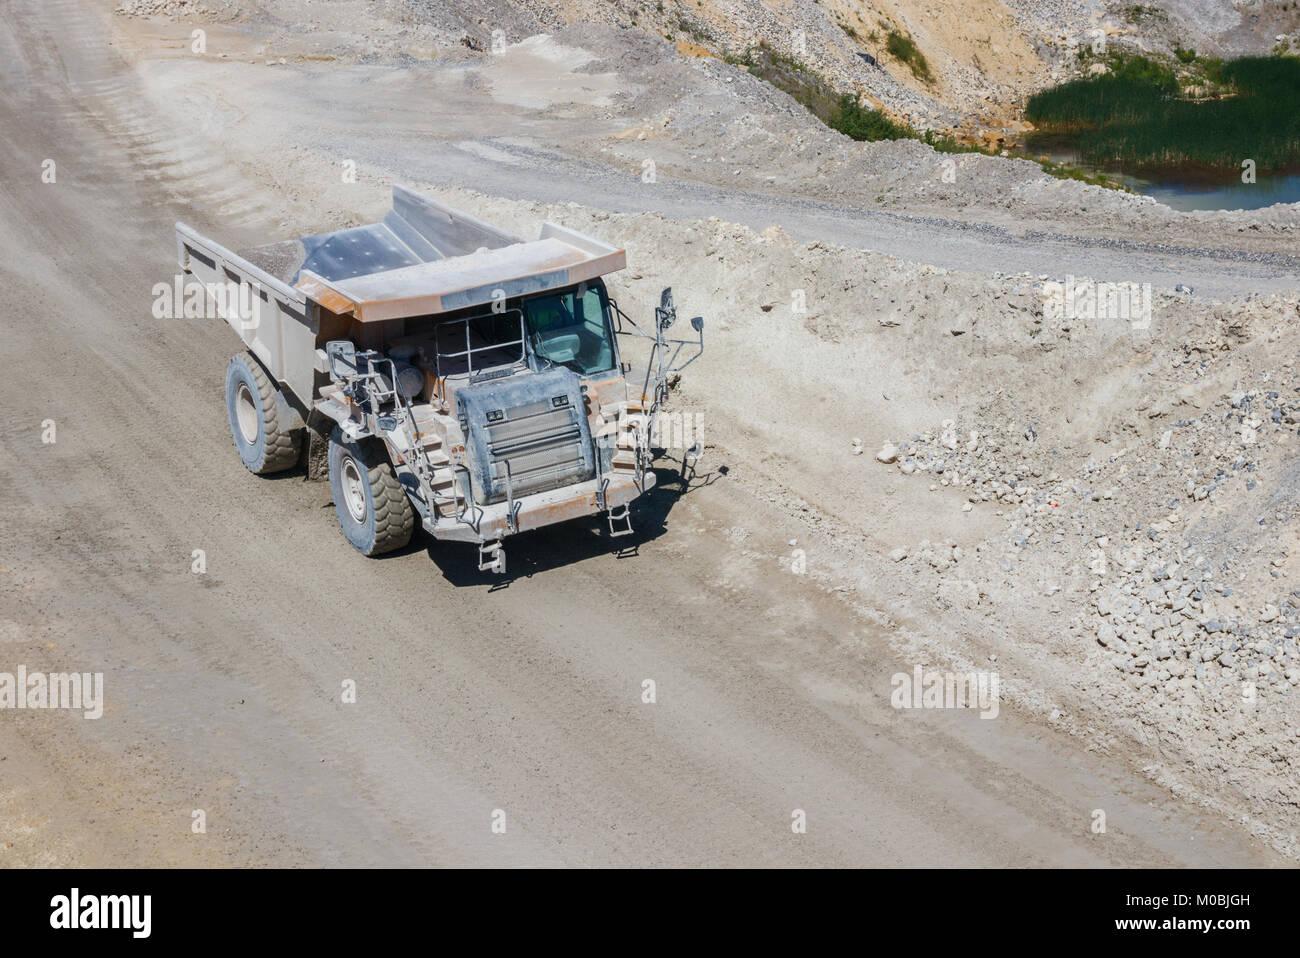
{"type": "Point", "coordinates": [531, 425]}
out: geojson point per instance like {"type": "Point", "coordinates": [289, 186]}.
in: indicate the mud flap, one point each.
{"type": "Point", "coordinates": [316, 450]}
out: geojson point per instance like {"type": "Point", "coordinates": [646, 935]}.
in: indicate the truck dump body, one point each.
{"type": "Point", "coordinates": [482, 367]}
{"type": "Point", "coordinates": [425, 258]}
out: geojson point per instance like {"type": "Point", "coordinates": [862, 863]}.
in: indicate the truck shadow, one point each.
{"type": "Point", "coordinates": [553, 547]}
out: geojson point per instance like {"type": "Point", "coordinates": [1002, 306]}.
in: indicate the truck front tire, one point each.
{"type": "Point", "coordinates": [374, 512]}
{"type": "Point", "coordinates": [263, 444]}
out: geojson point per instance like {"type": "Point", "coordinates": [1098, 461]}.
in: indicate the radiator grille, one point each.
{"type": "Point", "coordinates": [534, 426]}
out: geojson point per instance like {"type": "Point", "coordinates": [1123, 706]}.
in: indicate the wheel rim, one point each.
{"type": "Point", "coordinates": [354, 490]}
{"type": "Point", "coordinates": [246, 413]}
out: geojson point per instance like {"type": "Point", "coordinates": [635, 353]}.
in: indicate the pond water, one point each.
{"type": "Point", "coordinates": [1185, 193]}
{"type": "Point", "coordinates": [1231, 195]}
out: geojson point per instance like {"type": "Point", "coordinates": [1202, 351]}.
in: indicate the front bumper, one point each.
{"type": "Point", "coordinates": [541, 509]}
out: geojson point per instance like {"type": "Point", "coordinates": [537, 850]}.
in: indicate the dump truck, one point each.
{"type": "Point", "coordinates": [445, 372]}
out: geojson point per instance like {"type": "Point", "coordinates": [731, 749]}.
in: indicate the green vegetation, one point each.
{"type": "Point", "coordinates": [1063, 171]}
{"type": "Point", "coordinates": [1137, 116]}
{"type": "Point", "coordinates": [786, 73]}
{"type": "Point", "coordinates": [1137, 12]}
{"type": "Point", "coordinates": [839, 111]}
{"type": "Point", "coordinates": [843, 112]}
{"type": "Point", "coordinates": [1125, 93]}
{"type": "Point", "coordinates": [905, 50]}
{"type": "Point", "coordinates": [947, 144]}
{"type": "Point", "coordinates": [692, 29]}
{"type": "Point", "coordinates": [853, 120]}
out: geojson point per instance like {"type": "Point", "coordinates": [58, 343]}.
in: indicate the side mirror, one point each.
{"type": "Point", "coordinates": [666, 312]}
{"type": "Point", "coordinates": [697, 324]}
{"type": "Point", "coordinates": [341, 350]}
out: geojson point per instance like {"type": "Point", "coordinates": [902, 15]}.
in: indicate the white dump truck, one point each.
{"type": "Point", "coordinates": [452, 374]}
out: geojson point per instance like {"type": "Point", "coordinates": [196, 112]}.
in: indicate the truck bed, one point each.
{"type": "Point", "coordinates": [421, 259]}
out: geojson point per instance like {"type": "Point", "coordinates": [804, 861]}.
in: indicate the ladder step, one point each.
{"type": "Point", "coordinates": [429, 433]}
{"type": "Point", "coordinates": [614, 410]}
{"type": "Point", "coordinates": [335, 410]}
{"type": "Point", "coordinates": [491, 557]}
{"type": "Point", "coordinates": [620, 521]}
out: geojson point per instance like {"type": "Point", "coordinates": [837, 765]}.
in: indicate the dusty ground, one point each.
{"type": "Point", "coordinates": [773, 686]}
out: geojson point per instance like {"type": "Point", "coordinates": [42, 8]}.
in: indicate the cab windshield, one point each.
{"type": "Point", "coordinates": [571, 328]}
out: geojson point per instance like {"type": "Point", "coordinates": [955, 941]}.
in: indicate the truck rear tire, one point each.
{"type": "Point", "coordinates": [374, 512]}
{"type": "Point", "coordinates": [263, 444]}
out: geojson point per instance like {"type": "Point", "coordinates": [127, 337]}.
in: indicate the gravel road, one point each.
{"type": "Point", "coordinates": [528, 173]}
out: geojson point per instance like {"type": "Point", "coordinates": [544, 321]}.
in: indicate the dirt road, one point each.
{"type": "Point", "coordinates": [526, 172]}
{"type": "Point", "coordinates": [223, 688]}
